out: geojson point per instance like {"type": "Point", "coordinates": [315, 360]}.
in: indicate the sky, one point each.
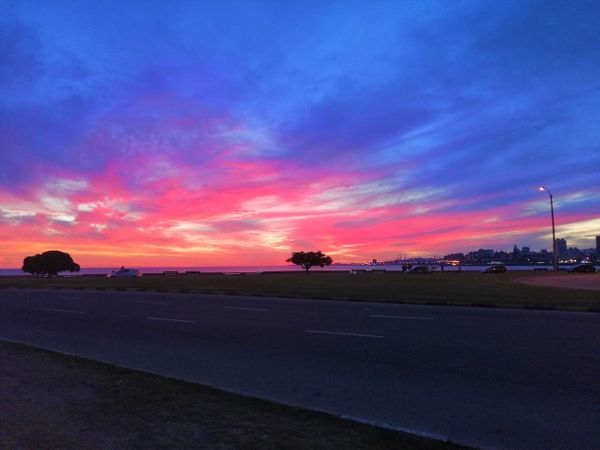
{"type": "Point", "coordinates": [235, 132]}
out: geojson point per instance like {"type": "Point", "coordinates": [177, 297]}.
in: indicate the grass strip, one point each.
{"type": "Point", "coordinates": [52, 400]}
{"type": "Point", "coordinates": [484, 290]}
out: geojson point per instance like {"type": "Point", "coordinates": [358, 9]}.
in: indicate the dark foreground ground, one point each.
{"type": "Point", "coordinates": [51, 400]}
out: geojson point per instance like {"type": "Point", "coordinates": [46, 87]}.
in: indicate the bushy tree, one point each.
{"type": "Point", "coordinates": [49, 263]}
{"type": "Point", "coordinates": [309, 259]}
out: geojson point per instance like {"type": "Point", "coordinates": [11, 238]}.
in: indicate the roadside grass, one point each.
{"type": "Point", "coordinates": [466, 288]}
{"type": "Point", "coordinates": [52, 400]}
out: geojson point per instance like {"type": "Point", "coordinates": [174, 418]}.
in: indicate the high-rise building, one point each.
{"type": "Point", "coordinates": [598, 245]}
{"type": "Point", "coordinates": [561, 247]}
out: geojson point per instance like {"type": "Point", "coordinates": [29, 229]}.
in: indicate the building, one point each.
{"type": "Point", "coordinates": [561, 247]}
{"type": "Point", "coordinates": [598, 245]}
{"type": "Point", "coordinates": [516, 253]}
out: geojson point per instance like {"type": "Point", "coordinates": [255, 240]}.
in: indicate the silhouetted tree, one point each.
{"type": "Point", "coordinates": [309, 259]}
{"type": "Point", "coordinates": [31, 264]}
{"type": "Point", "coordinates": [49, 263]}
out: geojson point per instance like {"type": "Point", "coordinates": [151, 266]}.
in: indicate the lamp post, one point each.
{"type": "Point", "coordinates": [554, 253]}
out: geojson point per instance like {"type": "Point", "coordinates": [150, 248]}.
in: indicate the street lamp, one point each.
{"type": "Point", "coordinates": [554, 253]}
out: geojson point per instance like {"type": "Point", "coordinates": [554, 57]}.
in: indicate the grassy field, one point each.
{"type": "Point", "coordinates": [464, 288]}
{"type": "Point", "coordinates": [51, 400]}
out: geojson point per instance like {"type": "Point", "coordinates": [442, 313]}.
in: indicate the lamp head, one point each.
{"type": "Point", "coordinates": [542, 188]}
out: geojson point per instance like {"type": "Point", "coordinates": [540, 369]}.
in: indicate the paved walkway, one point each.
{"type": "Point", "coordinates": [566, 281]}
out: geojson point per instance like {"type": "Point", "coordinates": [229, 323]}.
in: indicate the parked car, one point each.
{"type": "Point", "coordinates": [496, 268]}
{"type": "Point", "coordinates": [420, 269]}
{"type": "Point", "coordinates": [125, 273]}
{"type": "Point", "coordinates": [583, 268]}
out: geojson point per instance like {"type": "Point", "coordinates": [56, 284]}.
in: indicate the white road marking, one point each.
{"type": "Point", "coordinates": [382, 316]}
{"type": "Point", "coordinates": [64, 310]}
{"type": "Point", "coordinates": [149, 302]}
{"type": "Point", "coordinates": [340, 333]}
{"type": "Point", "coordinates": [165, 319]}
{"type": "Point", "coordinates": [246, 309]}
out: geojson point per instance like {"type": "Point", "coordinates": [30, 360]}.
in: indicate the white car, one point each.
{"type": "Point", "coordinates": [125, 273]}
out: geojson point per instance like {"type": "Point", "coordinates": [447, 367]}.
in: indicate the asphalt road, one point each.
{"type": "Point", "coordinates": [482, 377]}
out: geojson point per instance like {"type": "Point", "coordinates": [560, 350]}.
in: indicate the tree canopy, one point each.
{"type": "Point", "coordinates": [49, 263]}
{"type": "Point", "coordinates": [309, 259]}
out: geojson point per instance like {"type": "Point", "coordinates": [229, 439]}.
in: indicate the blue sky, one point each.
{"type": "Point", "coordinates": [241, 131]}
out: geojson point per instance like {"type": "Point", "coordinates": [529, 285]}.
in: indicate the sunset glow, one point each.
{"type": "Point", "coordinates": [234, 133]}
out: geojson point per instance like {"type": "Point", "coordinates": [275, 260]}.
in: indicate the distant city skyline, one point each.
{"type": "Point", "coordinates": [233, 133]}
{"type": "Point", "coordinates": [566, 252]}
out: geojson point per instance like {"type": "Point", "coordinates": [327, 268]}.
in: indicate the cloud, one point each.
{"type": "Point", "coordinates": [240, 132]}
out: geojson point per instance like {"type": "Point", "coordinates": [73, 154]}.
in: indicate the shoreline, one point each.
{"type": "Point", "coordinates": [159, 270]}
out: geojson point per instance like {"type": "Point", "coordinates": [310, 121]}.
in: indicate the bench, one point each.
{"type": "Point", "coordinates": [191, 273]}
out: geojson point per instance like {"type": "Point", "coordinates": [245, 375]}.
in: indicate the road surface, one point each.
{"type": "Point", "coordinates": [483, 377]}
